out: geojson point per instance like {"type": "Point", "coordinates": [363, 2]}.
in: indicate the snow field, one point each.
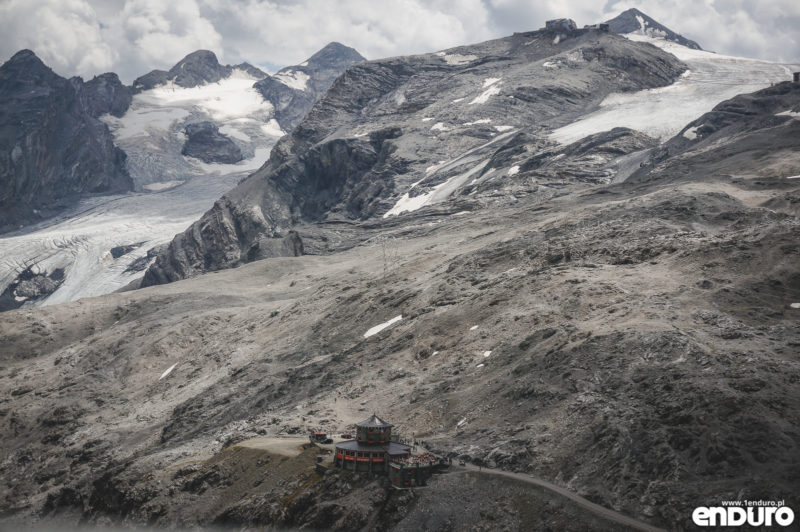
{"type": "Point", "coordinates": [664, 111]}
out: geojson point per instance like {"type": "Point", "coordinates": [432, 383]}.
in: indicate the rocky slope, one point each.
{"type": "Point", "coordinates": [295, 89]}
{"type": "Point", "coordinates": [633, 342]}
{"type": "Point", "coordinates": [612, 314]}
{"type": "Point", "coordinates": [52, 147]}
{"type": "Point", "coordinates": [634, 21]}
{"type": "Point", "coordinates": [428, 123]}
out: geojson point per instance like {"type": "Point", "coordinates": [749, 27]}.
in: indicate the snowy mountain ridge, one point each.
{"type": "Point", "coordinates": [171, 189]}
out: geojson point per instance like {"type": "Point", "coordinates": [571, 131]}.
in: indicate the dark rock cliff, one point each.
{"type": "Point", "coordinates": [105, 94]}
{"type": "Point", "coordinates": [206, 143]}
{"type": "Point", "coordinates": [52, 146]}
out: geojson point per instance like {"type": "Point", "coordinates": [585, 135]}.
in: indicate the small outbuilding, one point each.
{"type": "Point", "coordinates": [561, 24]}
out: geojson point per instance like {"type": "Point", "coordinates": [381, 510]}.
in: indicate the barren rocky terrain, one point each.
{"type": "Point", "coordinates": [618, 316]}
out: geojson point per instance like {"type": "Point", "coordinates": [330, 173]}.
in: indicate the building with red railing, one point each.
{"type": "Point", "coordinates": [372, 450]}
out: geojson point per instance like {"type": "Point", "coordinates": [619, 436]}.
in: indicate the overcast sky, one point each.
{"type": "Point", "coordinates": [132, 37]}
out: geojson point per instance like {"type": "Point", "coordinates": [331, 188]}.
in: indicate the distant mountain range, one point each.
{"type": "Point", "coordinates": [53, 148]}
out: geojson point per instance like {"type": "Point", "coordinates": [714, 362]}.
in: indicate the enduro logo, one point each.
{"type": "Point", "coordinates": [738, 513]}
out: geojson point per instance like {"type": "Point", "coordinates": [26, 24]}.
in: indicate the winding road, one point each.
{"type": "Point", "coordinates": [596, 509]}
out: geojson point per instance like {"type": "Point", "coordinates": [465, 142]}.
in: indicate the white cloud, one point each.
{"type": "Point", "coordinates": [65, 34]}
{"type": "Point", "coordinates": [132, 37]}
{"type": "Point", "coordinates": [153, 34]}
{"type": "Point", "coordinates": [289, 32]}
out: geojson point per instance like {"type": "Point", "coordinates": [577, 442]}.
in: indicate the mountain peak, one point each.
{"type": "Point", "coordinates": [336, 53]}
{"type": "Point", "coordinates": [195, 69]}
{"type": "Point", "coordinates": [198, 57]}
{"type": "Point", "coordinates": [635, 21]}
{"type": "Point", "coordinates": [27, 59]}
{"type": "Point", "coordinates": [26, 65]}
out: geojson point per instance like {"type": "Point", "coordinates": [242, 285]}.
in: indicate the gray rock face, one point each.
{"type": "Point", "coordinates": [315, 76]}
{"type": "Point", "coordinates": [437, 121]}
{"type": "Point", "coordinates": [632, 20]}
{"type": "Point", "coordinates": [206, 143]}
{"type": "Point", "coordinates": [105, 94]}
{"type": "Point", "coordinates": [52, 146]}
{"type": "Point", "coordinates": [195, 69]}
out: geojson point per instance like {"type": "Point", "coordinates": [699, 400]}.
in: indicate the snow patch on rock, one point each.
{"type": "Point", "coordinates": [485, 95]}
{"type": "Point", "coordinates": [458, 59]}
{"type": "Point", "coordinates": [378, 328]}
{"type": "Point", "coordinates": [296, 79]}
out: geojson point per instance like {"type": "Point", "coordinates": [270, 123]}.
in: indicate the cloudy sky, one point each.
{"type": "Point", "coordinates": [132, 37]}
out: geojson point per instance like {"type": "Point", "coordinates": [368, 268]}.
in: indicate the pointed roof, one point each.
{"type": "Point", "coordinates": [374, 422]}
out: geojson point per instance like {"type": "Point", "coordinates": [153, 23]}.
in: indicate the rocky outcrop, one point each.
{"type": "Point", "coordinates": [374, 134]}
{"type": "Point", "coordinates": [52, 146]}
{"type": "Point", "coordinates": [294, 89]}
{"type": "Point", "coordinates": [32, 284]}
{"type": "Point", "coordinates": [197, 68]}
{"type": "Point", "coordinates": [105, 94]}
{"type": "Point", "coordinates": [634, 21]}
{"type": "Point", "coordinates": [205, 142]}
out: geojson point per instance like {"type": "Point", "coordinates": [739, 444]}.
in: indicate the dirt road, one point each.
{"type": "Point", "coordinates": [596, 509]}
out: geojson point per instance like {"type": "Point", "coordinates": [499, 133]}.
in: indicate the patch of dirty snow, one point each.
{"type": "Point", "coordinates": [436, 194]}
{"type": "Point", "coordinates": [488, 82]}
{"type": "Point", "coordinates": [487, 354]}
{"type": "Point", "coordinates": [485, 95]}
{"type": "Point", "coordinates": [479, 365]}
{"type": "Point", "coordinates": [168, 371]}
{"type": "Point", "coordinates": [427, 119]}
{"type": "Point", "coordinates": [789, 113]}
{"type": "Point", "coordinates": [273, 128]}
{"type": "Point", "coordinates": [691, 133]}
{"type": "Point", "coordinates": [514, 170]}
{"type": "Point", "coordinates": [295, 79]}
{"type": "Point", "coordinates": [795, 305]}
{"type": "Point", "coordinates": [481, 121]}
{"type": "Point", "coordinates": [473, 327]}
{"type": "Point", "coordinates": [459, 100]}
{"type": "Point", "coordinates": [461, 422]}
{"type": "Point", "coordinates": [162, 185]}
{"type": "Point", "coordinates": [503, 128]}
{"type": "Point", "coordinates": [382, 326]}
{"type": "Point", "coordinates": [458, 59]}
{"type": "Point", "coordinates": [439, 126]}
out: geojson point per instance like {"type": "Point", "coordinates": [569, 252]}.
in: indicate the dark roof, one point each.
{"type": "Point", "coordinates": [373, 422]}
{"type": "Point", "coordinates": [392, 448]}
